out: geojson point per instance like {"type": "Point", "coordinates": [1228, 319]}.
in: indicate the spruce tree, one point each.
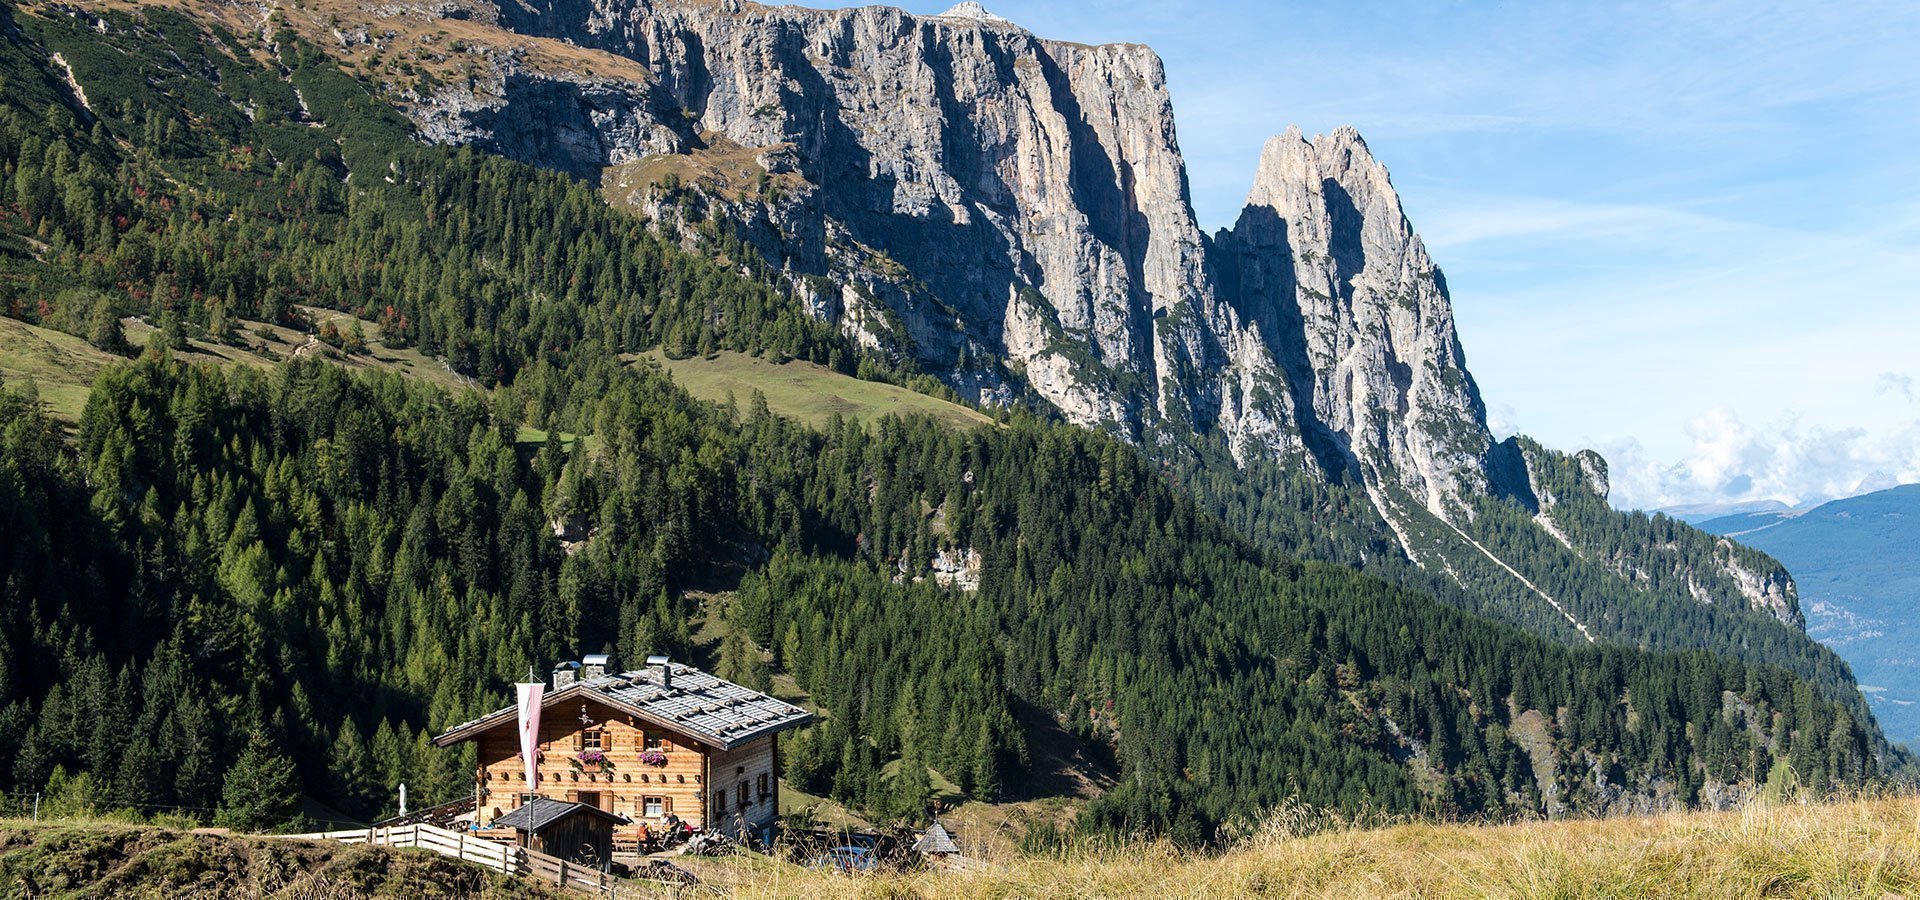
{"type": "Point", "coordinates": [262, 791]}
{"type": "Point", "coordinates": [351, 778]}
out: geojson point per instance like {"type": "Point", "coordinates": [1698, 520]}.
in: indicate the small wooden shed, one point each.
{"type": "Point", "coordinates": [575, 832]}
{"type": "Point", "coordinates": [936, 845]}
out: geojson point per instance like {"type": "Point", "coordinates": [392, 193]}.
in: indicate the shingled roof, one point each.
{"type": "Point", "coordinates": [936, 840]}
{"type": "Point", "coordinates": [539, 812]}
{"type": "Point", "coordinates": [709, 709]}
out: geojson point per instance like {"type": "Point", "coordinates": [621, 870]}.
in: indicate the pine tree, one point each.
{"type": "Point", "coordinates": [103, 327]}
{"type": "Point", "coordinates": [351, 778]}
{"type": "Point", "coordinates": [912, 788]}
{"type": "Point", "coordinates": [262, 791]}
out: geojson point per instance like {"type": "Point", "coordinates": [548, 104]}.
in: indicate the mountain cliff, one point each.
{"type": "Point", "coordinates": [1010, 214]}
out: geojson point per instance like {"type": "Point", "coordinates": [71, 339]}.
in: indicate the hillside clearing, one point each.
{"type": "Point", "coordinates": [61, 366]}
{"type": "Point", "coordinates": [801, 390]}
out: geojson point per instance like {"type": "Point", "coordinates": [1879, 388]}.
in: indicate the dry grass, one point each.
{"type": "Point", "coordinates": [405, 39]}
{"type": "Point", "coordinates": [723, 168]}
{"type": "Point", "coordinates": [1868, 848]}
{"type": "Point", "coordinates": [1862, 848]}
{"type": "Point", "coordinates": [91, 859]}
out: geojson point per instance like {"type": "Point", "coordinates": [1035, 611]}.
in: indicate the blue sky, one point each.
{"type": "Point", "coordinates": [1686, 234]}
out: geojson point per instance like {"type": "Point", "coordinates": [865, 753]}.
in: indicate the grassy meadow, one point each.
{"type": "Point", "coordinates": [804, 391]}
{"type": "Point", "coordinates": [60, 366]}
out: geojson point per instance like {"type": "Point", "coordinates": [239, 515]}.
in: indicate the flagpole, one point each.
{"type": "Point", "coordinates": [529, 693]}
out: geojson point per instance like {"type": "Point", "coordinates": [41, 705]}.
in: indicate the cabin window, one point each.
{"type": "Point", "coordinates": [740, 794]}
{"type": "Point", "coordinates": [592, 739]}
{"type": "Point", "coordinates": [763, 784]}
{"type": "Point", "coordinates": [720, 801]}
{"type": "Point", "coordinates": [650, 740]}
{"type": "Point", "coordinates": [591, 798]}
{"type": "Point", "coordinates": [653, 807]}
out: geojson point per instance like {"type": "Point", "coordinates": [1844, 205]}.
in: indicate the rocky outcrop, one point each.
{"type": "Point", "coordinates": [1765, 585]}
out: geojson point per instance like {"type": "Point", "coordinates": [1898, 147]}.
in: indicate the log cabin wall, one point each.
{"type": "Point", "coordinates": [625, 786]}
{"type": "Point", "coordinates": [582, 838]}
{"type": "Point", "coordinates": [746, 789]}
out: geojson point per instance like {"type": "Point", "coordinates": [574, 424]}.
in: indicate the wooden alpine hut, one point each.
{"type": "Point", "coordinates": [661, 744]}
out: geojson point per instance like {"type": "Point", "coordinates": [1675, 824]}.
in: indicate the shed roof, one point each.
{"type": "Point", "coordinates": [936, 840]}
{"type": "Point", "coordinates": [539, 812]}
{"type": "Point", "coordinates": [705, 707]}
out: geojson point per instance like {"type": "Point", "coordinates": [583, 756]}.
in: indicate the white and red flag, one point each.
{"type": "Point", "coordinates": [530, 695]}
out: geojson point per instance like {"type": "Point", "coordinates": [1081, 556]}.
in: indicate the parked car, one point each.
{"type": "Point", "coordinates": [846, 860]}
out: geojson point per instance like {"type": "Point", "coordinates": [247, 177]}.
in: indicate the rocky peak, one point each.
{"type": "Point", "coordinates": [974, 11]}
{"type": "Point", "coordinates": [1324, 260]}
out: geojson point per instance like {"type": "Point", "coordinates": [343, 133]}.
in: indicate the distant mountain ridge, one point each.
{"type": "Point", "coordinates": [1858, 565]}
{"type": "Point", "coordinates": [1696, 513]}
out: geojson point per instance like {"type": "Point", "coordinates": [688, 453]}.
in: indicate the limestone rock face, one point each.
{"type": "Point", "coordinates": [1034, 189]}
{"type": "Point", "coordinates": [1013, 213]}
{"type": "Point", "coordinates": [1769, 589]}
{"type": "Point", "coordinates": [1327, 266]}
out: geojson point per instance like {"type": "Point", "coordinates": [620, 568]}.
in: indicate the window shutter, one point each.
{"type": "Point", "coordinates": [573, 796]}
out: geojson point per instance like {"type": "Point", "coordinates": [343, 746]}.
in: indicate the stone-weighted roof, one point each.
{"type": "Point", "coordinates": [705, 707]}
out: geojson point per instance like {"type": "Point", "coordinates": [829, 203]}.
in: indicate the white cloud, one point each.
{"type": "Point", "coordinates": [1502, 419]}
{"type": "Point", "coordinates": [1896, 384]}
{"type": "Point", "coordinates": [1787, 460]}
{"type": "Point", "coordinates": [1461, 219]}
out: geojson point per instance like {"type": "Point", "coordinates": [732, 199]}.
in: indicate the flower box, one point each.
{"type": "Point", "coordinates": [592, 761]}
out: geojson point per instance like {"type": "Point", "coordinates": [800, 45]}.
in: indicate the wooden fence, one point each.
{"type": "Point", "coordinates": [503, 858]}
{"type": "Point", "coordinates": [566, 874]}
{"type": "Point", "coordinates": [499, 857]}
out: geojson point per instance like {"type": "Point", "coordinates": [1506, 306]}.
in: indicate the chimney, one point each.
{"type": "Point", "coordinates": [594, 665]}
{"type": "Point", "coordinates": [564, 674]}
{"type": "Point", "coordinates": [666, 670]}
